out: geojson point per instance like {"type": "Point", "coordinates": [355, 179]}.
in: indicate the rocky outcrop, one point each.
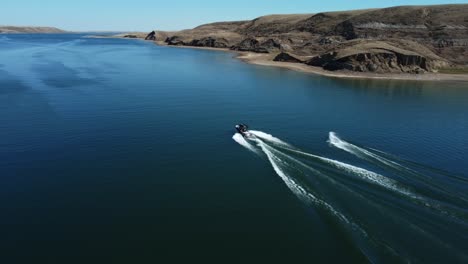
{"type": "Point", "coordinates": [209, 42]}
{"type": "Point", "coordinates": [346, 29]}
{"type": "Point", "coordinates": [435, 36]}
{"type": "Point", "coordinates": [151, 36]}
{"type": "Point", "coordinates": [417, 22]}
{"type": "Point", "coordinates": [325, 41]}
{"type": "Point", "coordinates": [130, 36]}
{"type": "Point", "coordinates": [324, 23]}
{"type": "Point", "coordinates": [376, 56]}
{"type": "Point", "coordinates": [253, 45]}
{"type": "Point", "coordinates": [372, 62]}
{"type": "Point", "coordinates": [248, 44]}
{"type": "Point", "coordinates": [174, 41]}
{"type": "Point", "coordinates": [443, 29]}
{"type": "Point", "coordinates": [271, 45]}
{"type": "Point", "coordinates": [285, 57]}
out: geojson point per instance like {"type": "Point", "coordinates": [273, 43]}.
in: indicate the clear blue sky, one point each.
{"type": "Point", "coordinates": [144, 15]}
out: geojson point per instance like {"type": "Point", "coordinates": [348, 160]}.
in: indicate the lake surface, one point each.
{"type": "Point", "coordinates": [121, 151]}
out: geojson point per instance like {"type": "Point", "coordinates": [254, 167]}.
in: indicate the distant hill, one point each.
{"type": "Point", "coordinates": [14, 29]}
{"type": "Point", "coordinates": [411, 39]}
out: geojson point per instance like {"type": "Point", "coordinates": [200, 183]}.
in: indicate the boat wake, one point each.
{"type": "Point", "coordinates": [241, 140]}
{"type": "Point", "coordinates": [371, 207]}
{"type": "Point", "coordinates": [446, 187]}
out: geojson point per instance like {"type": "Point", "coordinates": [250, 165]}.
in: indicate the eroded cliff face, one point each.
{"type": "Point", "coordinates": [443, 29]}
{"type": "Point", "coordinates": [379, 62]}
{"type": "Point", "coordinates": [417, 39]}
{"type": "Point", "coordinates": [380, 57]}
{"type": "Point", "coordinates": [210, 42]}
{"type": "Point", "coordinates": [254, 45]}
{"type": "Point", "coordinates": [285, 57]}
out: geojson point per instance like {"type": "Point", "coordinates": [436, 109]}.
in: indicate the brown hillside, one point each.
{"type": "Point", "coordinates": [438, 35]}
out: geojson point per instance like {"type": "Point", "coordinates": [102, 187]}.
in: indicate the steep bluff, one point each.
{"type": "Point", "coordinates": [409, 39]}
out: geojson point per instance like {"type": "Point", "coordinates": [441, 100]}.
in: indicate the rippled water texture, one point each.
{"type": "Point", "coordinates": [121, 151]}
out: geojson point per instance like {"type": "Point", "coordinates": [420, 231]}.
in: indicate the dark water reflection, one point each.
{"type": "Point", "coordinates": [121, 151]}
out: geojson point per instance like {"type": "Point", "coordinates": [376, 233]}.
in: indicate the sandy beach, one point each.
{"type": "Point", "coordinates": [267, 60]}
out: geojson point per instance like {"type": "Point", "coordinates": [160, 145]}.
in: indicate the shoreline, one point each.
{"type": "Point", "coordinates": [266, 59]}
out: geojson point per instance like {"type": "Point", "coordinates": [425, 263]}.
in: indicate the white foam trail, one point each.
{"type": "Point", "coordinates": [337, 142]}
{"type": "Point", "coordinates": [438, 171]}
{"type": "Point", "coordinates": [364, 174]}
{"type": "Point", "coordinates": [363, 153]}
{"type": "Point", "coordinates": [424, 201]}
{"type": "Point", "coordinates": [269, 137]}
{"type": "Point", "coordinates": [307, 197]}
{"type": "Point", "coordinates": [304, 195]}
{"type": "Point", "coordinates": [297, 189]}
{"type": "Point", "coordinates": [241, 140]}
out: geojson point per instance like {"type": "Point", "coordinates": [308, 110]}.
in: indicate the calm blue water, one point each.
{"type": "Point", "coordinates": [120, 151]}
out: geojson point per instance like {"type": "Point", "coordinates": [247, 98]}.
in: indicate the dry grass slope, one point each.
{"type": "Point", "coordinates": [431, 37]}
